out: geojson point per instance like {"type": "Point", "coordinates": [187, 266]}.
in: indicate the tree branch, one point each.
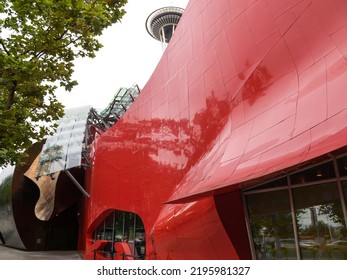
{"type": "Point", "coordinates": [62, 35]}
{"type": "Point", "coordinates": [4, 47]}
{"type": "Point", "coordinates": [45, 51]}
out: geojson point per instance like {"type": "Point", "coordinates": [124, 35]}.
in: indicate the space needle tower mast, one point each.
{"type": "Point", "coordinates": [161, 23]}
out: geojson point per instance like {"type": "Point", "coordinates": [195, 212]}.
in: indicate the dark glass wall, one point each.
{"type": "Point", "coordinates": [122, 226]}
{"type": "Point", "coordinates": [304, 217]}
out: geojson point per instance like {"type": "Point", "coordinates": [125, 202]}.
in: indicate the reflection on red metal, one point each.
{"type": "Point", "coordinates": [244, 89]}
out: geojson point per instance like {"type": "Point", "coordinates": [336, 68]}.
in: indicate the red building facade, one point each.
{"type": "Point", "coordinates": [218, 157]}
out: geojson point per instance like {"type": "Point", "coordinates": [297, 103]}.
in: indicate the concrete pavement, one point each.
{"type": "Point", "coordinates": [7, 253]}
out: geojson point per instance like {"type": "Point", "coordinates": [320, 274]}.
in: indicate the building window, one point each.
{"type": "Point", "coordinates": [271, 225]}
{"type": "Point", "coordinates": [302, 215]}
{"type": "Point", "coordinates": [122, 226]}
{"type": "Point", "coordinates": [319, 220]}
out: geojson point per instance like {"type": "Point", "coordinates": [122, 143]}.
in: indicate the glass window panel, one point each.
{"type": "Point", "coordinates": [58, 158]}
{"type": "Point", "coordinates": [100, 232]}
{"type": "Point", "coordinates": [50, 141]}
{"type": "Point", "coordinates": [342, 165]}
{"type": "Point", "coordinates": [320, 221]}
{"type": "Point", "coordinates": [80, 123]}
{"type": "Point", "coordinates": [75, 142]}
{"type": "Point", "coordinates": [78, 130]}
{"type": "Point", "coordinates": [123, 227]}
{"type": "Point", "coordinates": [281, 182]}
{"type": "Point", "coordinates": [127, 99]}
{"type": "Point", "coordinates": [117, 108]}
{"type": "Point", "coordinates": [344, 187]}
{"type": "Point", "coordinates": [122, 92]}
{"type": "Point", "coordinates": [140, 238]}
{"type": "Point", "coordinates": [64, 140]}
{"type": "Point", "coordinates": [109, 227]}
{"type": "Point", "coordinates": [56, 166]}
{"type": "Point", "coordinates": [129, 226]}
{"type": "Point", "coordinates": [63, 150]}
{"type": "Point", "coordinates": [271, 225]}
{"type": "Point", "coordinates": [317, 173]}
{"type": "Point", "coordinates": [67, 127]}
{"type": "Point", "coordinates": [44, 168]}
{"type": "Point", "coordinates": [73, 160]}
{"type": "Point", "coordinates": [119, 233]}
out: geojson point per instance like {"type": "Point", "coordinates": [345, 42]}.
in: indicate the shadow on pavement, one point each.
{"type": "Point", "coordinates": [7, 253]}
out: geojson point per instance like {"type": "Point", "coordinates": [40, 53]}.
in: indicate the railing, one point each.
{"type": "Point", "coordinates": [115, 250]}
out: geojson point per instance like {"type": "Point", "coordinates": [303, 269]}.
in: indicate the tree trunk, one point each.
{"type": "Point", "coordinates": [10, 99]}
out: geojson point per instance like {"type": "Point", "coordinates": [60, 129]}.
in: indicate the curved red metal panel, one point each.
{"type": "Point", "coordinates": [244, 89]}
{"type": "Point", "coordinates": [181, 233]}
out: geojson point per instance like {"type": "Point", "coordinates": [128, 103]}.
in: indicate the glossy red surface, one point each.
{"type": "Point", "coordinates": [244, 89]}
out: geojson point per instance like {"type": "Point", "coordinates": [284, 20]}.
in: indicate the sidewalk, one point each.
{"type": "Point", "coordinates": [7, 253]}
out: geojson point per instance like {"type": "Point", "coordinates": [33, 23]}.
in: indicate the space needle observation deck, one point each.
{"type": "Point", "coordinates": [161, 23]}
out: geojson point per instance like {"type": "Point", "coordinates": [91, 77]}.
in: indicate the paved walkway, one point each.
{"type": "Point", "coordinates": [7, 253]}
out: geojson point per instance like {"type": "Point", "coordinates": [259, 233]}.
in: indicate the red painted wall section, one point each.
{"type": "Point", "coordinates": [284, 86]}
{"type": "Point", "coordinates": [244, 89]}
{"type": "Point", "coordinates": [191, 231]}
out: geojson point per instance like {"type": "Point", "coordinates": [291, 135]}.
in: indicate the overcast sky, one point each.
{"type": "Point", "coordinates": [129, 56]}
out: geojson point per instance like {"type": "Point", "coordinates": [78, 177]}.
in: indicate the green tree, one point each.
{"type": "Point", "coordinates": [39, 40]}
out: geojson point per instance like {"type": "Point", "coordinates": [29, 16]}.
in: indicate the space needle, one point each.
{"type": "Point", "coordinates": [161, 23]}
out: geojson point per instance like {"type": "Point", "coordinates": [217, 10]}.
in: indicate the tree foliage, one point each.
{"type": "Point", "coordinates": [39, 40]}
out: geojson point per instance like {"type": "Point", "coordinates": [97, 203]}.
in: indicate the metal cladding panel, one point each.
{"type": "Point", "coordinates": [8, 228]}
{"type": "Point", "coordinates": [243, 90]}
{"type": "Point", "coordinates": [63, 150]}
